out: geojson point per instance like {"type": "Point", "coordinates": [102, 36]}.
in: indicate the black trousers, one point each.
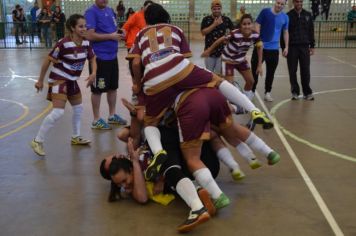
{"type": "Point", "coordinates": [299, 54]}
{"type": "Point", "coordinates": [271, 57]}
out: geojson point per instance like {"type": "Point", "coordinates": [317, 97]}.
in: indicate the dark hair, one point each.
{"type": "Point", "coordinates": [118, 164]}
{"type": "Point", "coordinates": [17, 6]}
{"type": "Point", "coordinates": [104, 173]}
{"type": "Point", "coordinates": [147, 2]}
{"type": "Point", "coordinates": [246, 16]}
{"type": "Point", "coordinates": [72, 21]}
{"type": "Point", "coordinates": [156, 14]}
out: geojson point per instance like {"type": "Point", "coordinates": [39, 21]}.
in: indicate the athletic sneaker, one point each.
{"type": "Point", "coordinates": [206, 200]}
{"type": "Point", "coordinates": [155, 165]}
{"type": "Point", "coordinates": [195, 218]}
{"type": "Point", "coordinates": [116, 120]}
{"type": "Point", "coordinates": [79, 140]}
{"type": "Point", "coordinates": [295, 96]}
{"type": "Point", "coordinates": [273, 158]}
{"type": "Point", "coordinates": [37, 148]}
{"type": "Point", "coordinates": [237, 174]}
{"type": "Point", "coordinates": [259, 117]}
{"type": "Point", "coordinates": [309, 97]}
{"type": "Point", "coordinates": [254, 164]}
{"type": "Point", "coordinates": [268, 97]}
{"type": "Point", "coordinates": [222, 201]}
{"type": "Point", "coordinates": [100, 124]}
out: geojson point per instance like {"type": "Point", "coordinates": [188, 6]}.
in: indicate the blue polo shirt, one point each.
{"type": "Point", "coordinates": [272, 25]}
{"type": "Point", "coordinates": [103, 21]}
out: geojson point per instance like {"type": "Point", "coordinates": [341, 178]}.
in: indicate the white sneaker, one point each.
{"type": "Point", "coordinates": [268, 97]}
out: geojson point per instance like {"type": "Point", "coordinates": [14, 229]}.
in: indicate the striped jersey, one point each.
{"type": "Point", "coordinates": [163, 49]}
{"type": "Point", "coordinates": [237, 46]}
{"type": "Point", "coordinates": [69, 59]}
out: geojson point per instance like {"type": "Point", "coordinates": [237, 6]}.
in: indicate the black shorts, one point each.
{"type": "Point", "coordinates": [170, 142]}
{"type": "Point", "coordinates": [107, 76]}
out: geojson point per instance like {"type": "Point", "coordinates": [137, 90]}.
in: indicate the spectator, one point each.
{"type": "Point", "coordinates": [301, 47]}
{"type": "Point", "coordinates": [102, 31]}
{"type": "Point", "coordinates": [213, 27]}
{"type": "Point", "coordinates": [23, 25]}
{"type": "Point", "coordinates": [16, 21]}
{"type": "Point", "coordinates": [315, 8]}
{"type": "Point", "coordinates": [239, 15]}
{"type": "Point", "coordinates": [129, 13]}
{"type": "Point", "coordinates": [59, 19]}
{"type": "Point", "coordinates": [270, 23]}
{"type": "Point", "coordinates": [351, 16]}
{"type": "Point", "coordinates": [34, 12]}
{"type": "Point", "coordinates": [45, 21]}
{"type": "Point", "coordinates": [133, 26]}
{"type": "Point", "coordinates": [120, 9]}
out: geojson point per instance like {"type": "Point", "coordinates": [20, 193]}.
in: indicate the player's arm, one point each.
{"type": "Point", "coordinates": [137, 72]}
{"type": "Point", "coordinates": [286, 41]}
{"type": "Point", "coordinates": [209, 50]}
{"type": "Point", "coordinates": [45, 65]}
{"type": "Point", "coordinates": [92, 76]}
{"type": "Point", "coordinates": [139, 192]}
{"type": "Point", "coordinates": [259, 47]}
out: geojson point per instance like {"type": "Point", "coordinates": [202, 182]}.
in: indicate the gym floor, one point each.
{"type": "Point", "coordinates": [311, 191]}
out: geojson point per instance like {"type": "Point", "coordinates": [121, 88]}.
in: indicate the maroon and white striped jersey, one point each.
{"type": "Point", "coordinates": [236, 48]}
{"type": "Point", "coordinates": [69, 59]}
{"type": "Point", "coordinates": [163, 49]}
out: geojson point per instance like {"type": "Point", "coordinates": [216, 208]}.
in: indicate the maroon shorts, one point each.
{"type": "Point", "coordinates": [64, 90]}
{"type": "Point", "coordinates": [229, 68]}
{"type": "Point", "coordinates": [157, 104]}
{"type": "Point", "coordinates": [198, 111]}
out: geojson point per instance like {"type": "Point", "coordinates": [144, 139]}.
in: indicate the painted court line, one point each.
{"type": "Point", "coordinates": [319, 200]}
{"type": "Point", "coordinates": [28, 123]}
{"type": "Point", "coordinates": [306, 142]}
{"type": "Point", "coordinates": [23, 115]}
{"type": "Point", "coordinates": [341, 61]}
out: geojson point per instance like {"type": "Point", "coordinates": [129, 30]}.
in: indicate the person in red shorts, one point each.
{"type": "Point", "coordinates": [161, 48]}
{"type": "Point", "coordinates": [68, 58]}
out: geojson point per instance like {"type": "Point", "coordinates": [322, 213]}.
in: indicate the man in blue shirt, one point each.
{"type": "Point", "coordinates": [270, 23]}
{"type": "Point", "coordinates": [102, 31]}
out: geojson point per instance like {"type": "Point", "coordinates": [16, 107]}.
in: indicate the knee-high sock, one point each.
{"type": "Point", "coordinates": [186, 190]}
{"type": "Point", "coordinates": [76, 118]}
{"type": "Point", "coordinates": [257, 144]}
{"type": "Point", "coordinates": [48, 123]}
{"type": "Point", "coordinates": [235, 96]}
{"type": "Point", "coordinates": [226, 157]}
{"type": "Point", "coordinates": [245, 151]}
{"type": "Point", "coordinates": [153, 137]}
{"type": "Point", "coordinates": [206, 180]}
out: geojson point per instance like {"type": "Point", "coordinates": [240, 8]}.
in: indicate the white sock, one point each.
{"type": "Point", "coordinates": [257, 144]}
{"type": "Point", "coordinates": [206, 180]}
{"type": "Point", "coordinates": [249, 94]}
{"type": "Point", "coordinates": [76, 118]}
{"type": "Point", "coordinates": [226, 157]}
{"type": "Point", "coordinates": [153, 137]}
{"type": "Point", "coordinates": [48, 123]}
{"type": "Point", "coordinates": [186, 190]}
{"type": "Point", "coordinates": [235, 96]}
{"type": "Point", "coordinates": [245, 151]}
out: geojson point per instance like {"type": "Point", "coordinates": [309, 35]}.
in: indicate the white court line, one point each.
{"type": "Point", "coordinates": [319, 200]}
{"type": "Point", "coordinates": [341, 61]}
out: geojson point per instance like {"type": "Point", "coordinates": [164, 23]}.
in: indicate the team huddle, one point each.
{"type": "Point", "coordinates": [179, 111]}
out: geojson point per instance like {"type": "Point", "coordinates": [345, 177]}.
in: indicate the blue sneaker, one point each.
{"type": "Point", "coordinates": [116, 120]}
{"type": "Point", "coordinates": [100, 124]}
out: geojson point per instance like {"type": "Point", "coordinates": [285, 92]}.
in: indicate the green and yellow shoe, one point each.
{"type": "Point", "coordinates": [273, 158]}
{"type": "Point", "coordinates": [222, 201]}
{"type": "Point", "coordinates": [259, 117]}
{"type": "Point", "coordinates": [155, 165]}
